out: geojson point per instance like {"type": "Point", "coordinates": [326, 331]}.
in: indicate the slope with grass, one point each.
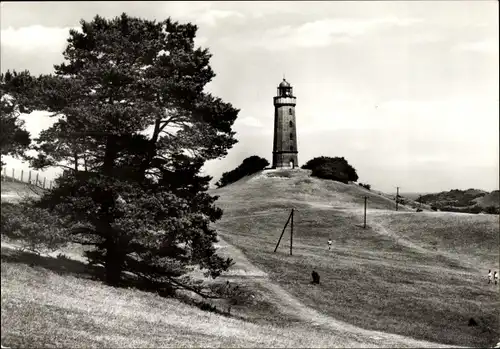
{"type": "Point", "coordinates": [15, 190]}
{"type": "Point", "coordinates": [409, 279]}
{"type": "Point", "coordinates": [62, 308]}
{"type": "Point", "coordinates": [420, 275]}
{"type": "Point", "coordinates": [489, 199]}
{"type": "Point", "coordinates": [48, 301]}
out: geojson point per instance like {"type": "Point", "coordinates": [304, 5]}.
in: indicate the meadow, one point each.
{"type": "Point", "coordinates": [408, 280]}
{"type": "Point", "coordinates": [421, 275]}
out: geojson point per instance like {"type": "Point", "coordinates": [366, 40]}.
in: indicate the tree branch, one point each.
{"type": "Point", "coordinates": [204, 295]}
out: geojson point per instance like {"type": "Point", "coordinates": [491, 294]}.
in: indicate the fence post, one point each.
{"type": "Point", "coordinates": [364, 222]}
{"type": "Point", "coordinates": [44, 178]}
{"type": "Point", "coordinates": [291, 235]}
{"type": "Point", "coordinates": [29, 177]}
{"type": "Point", "coordinates": [290, 216]}
{"type": "Point", "coordinates": [36, 180]}
{"type": "Point", "coordinates": [50, 184]}
{"type": "Point", "coordinates": [22, 175]}
{"type": "Point", "coordinates": [5, 174]}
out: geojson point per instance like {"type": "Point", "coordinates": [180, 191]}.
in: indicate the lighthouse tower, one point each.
{"type": "Point", "coordinates": [285, 134]}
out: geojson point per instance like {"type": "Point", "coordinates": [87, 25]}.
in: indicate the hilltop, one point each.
{"type": "Point", "coordinates": [297, 188]}
{"type": "Point", "coordinates": [418, 274]}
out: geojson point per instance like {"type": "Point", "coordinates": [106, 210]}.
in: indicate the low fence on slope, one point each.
{"type": "Point", "coordinates": [11, 175]}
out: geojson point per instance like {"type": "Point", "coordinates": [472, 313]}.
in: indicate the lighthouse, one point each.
{"type": "Point", "coordinates": [285, 129]}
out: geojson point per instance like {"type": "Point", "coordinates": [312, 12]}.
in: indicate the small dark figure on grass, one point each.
{"type": "Point", "coordinates": [315, 277]}
{"type": "Point", "coordinates": [472, 322]}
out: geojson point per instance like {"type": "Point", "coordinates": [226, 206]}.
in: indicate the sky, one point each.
{"type": "Point", "coordinates": [407, 92]}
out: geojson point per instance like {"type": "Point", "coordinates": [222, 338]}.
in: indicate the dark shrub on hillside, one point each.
{"type": "Point", "coordinates": [472, 209]}
{"type": "Point", "coordinates": [453, 198]}
{"type": "Point", "coordinates": [492, 210]}
{"type": "Point", "coordinates": [33, 227]}
{"type": "Point", "coordinates": [434, 208]}
{"type": "Point", "coordinates": [366, 186]}
{"type": "Point", "coordinates": [475, 209]}
{"type": "Point", "coordinates": [337, 169]}
{"type": "Point", "coordinates": [419, 210]}
{"type": "Point", "coordinates": [249, 166]}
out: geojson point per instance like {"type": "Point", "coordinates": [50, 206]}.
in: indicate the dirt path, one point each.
{"type": "Point", "coordinates": [348, 334]}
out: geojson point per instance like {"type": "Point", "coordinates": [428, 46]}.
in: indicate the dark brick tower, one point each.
{"type": "Point", "coordinates": [285, 134]}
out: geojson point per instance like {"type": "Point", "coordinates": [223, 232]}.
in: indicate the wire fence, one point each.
{"type": "Point", "coordinates": [13, 175]}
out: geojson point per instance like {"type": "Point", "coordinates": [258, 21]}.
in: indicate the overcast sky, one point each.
{"type": "Point", "coordinates": [407, 92]}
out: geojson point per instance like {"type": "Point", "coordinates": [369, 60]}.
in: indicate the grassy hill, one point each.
{"type": "Point", "coordinates": [421, 275]}
{"type": "Point", "coordinates": [55, 304]}
{"type": "Point", "coordinates": [489, 199]}
{"type": "Point", "coordinates": [15, 190]}
{"type": "Point", "coordinates": [49, 301]}
{"type": "Point", "coordinates": [463, 199]}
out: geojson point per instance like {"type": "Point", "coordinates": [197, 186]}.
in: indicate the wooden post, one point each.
{"type": "Point", "coordinates": [36, 180]}
{"type": "Point", "coordinates": [291, 234]}
{"type": "Point", "coordinates": [364, 224]}
{"type": "Point", "coordinates": [44, 178]}
{"type": "Point", "coordinates": [5, 174]}
{"type": "Point", "coordinates": [282, 232]}
{"type": "Point", "coordinates": [397, 198]}
{"type": "Point", "coordinates": [29, 177]}
{"type": "Point", "coordinates": [50, 184]}
{"type": "Point", "coordinates": [22, 175]}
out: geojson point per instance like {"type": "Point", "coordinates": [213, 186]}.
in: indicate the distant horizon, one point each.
{"type": "Point", "coordinates": [406, 91]}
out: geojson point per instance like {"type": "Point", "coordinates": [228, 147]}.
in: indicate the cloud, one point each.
{"type": "Point", "coordinates": [483, 46]}
{"type": "Point", "coordinates": [353, 27]}
{"type": "Point", "coordinates": [200, 12]}
{"type": "Point", "coordinates": [211, 17]}
{"type": "Point", "coordinates": [35, 37]}
{"type": "Point", "coordinates": [249, 121]}
{"type": "Point", "coordinates": [200, 40]}
{"type": "Point", "coordinates": [325, 32]}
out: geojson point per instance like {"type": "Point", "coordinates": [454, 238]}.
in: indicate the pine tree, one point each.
{"type": "Point", "coordinates": [15, 91]}
{"type": "Point", "coordinates": [134, 128]}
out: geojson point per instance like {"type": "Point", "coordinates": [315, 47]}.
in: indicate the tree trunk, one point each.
{"type": "Point", "coordinates": [110, 156]}
{"type": "Point", "coordinates": [114, 258]}
{"type": "Point", "coordinates": [85, 161]}
{"type": "Point", "coordinates": [76, 161]}
{"type": "Point", "coordinates": [113, 262]}
{"type": "Point", "coordinates": [151, 151]}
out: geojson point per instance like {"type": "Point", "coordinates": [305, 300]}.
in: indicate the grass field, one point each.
{"type": "Point", "coordinates": [418, 275]}
{"type": "Point", "coordinates": [14, 191]}
{"type": "Point", "coordinates": [421, 275]}
{"type": "Point", "coordinates": [55, 304]}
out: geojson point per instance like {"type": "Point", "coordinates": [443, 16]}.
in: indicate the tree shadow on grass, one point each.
{"type": "Point", "coordinates": [79, 269]}
{"type": "Point", "coordinates": [59, 265]}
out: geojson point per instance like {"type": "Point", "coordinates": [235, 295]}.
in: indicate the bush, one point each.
{"type": "Point", "coordinates": [249, 166]}
{"type": "Point", "coordinates": [419, 210]}
{"type": "Point", "coordinates": [35, 228]}
{"type": "Point", "coordinates": [472, 209]}
{"type": "Point", "coordinates": [492, 210]}
{"type": "Point", "coordinates": [337, 169]}
{"type": "Point", "coordinates": [434, 208]}
{"type": "Point", "coordinates": [366, 186]}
